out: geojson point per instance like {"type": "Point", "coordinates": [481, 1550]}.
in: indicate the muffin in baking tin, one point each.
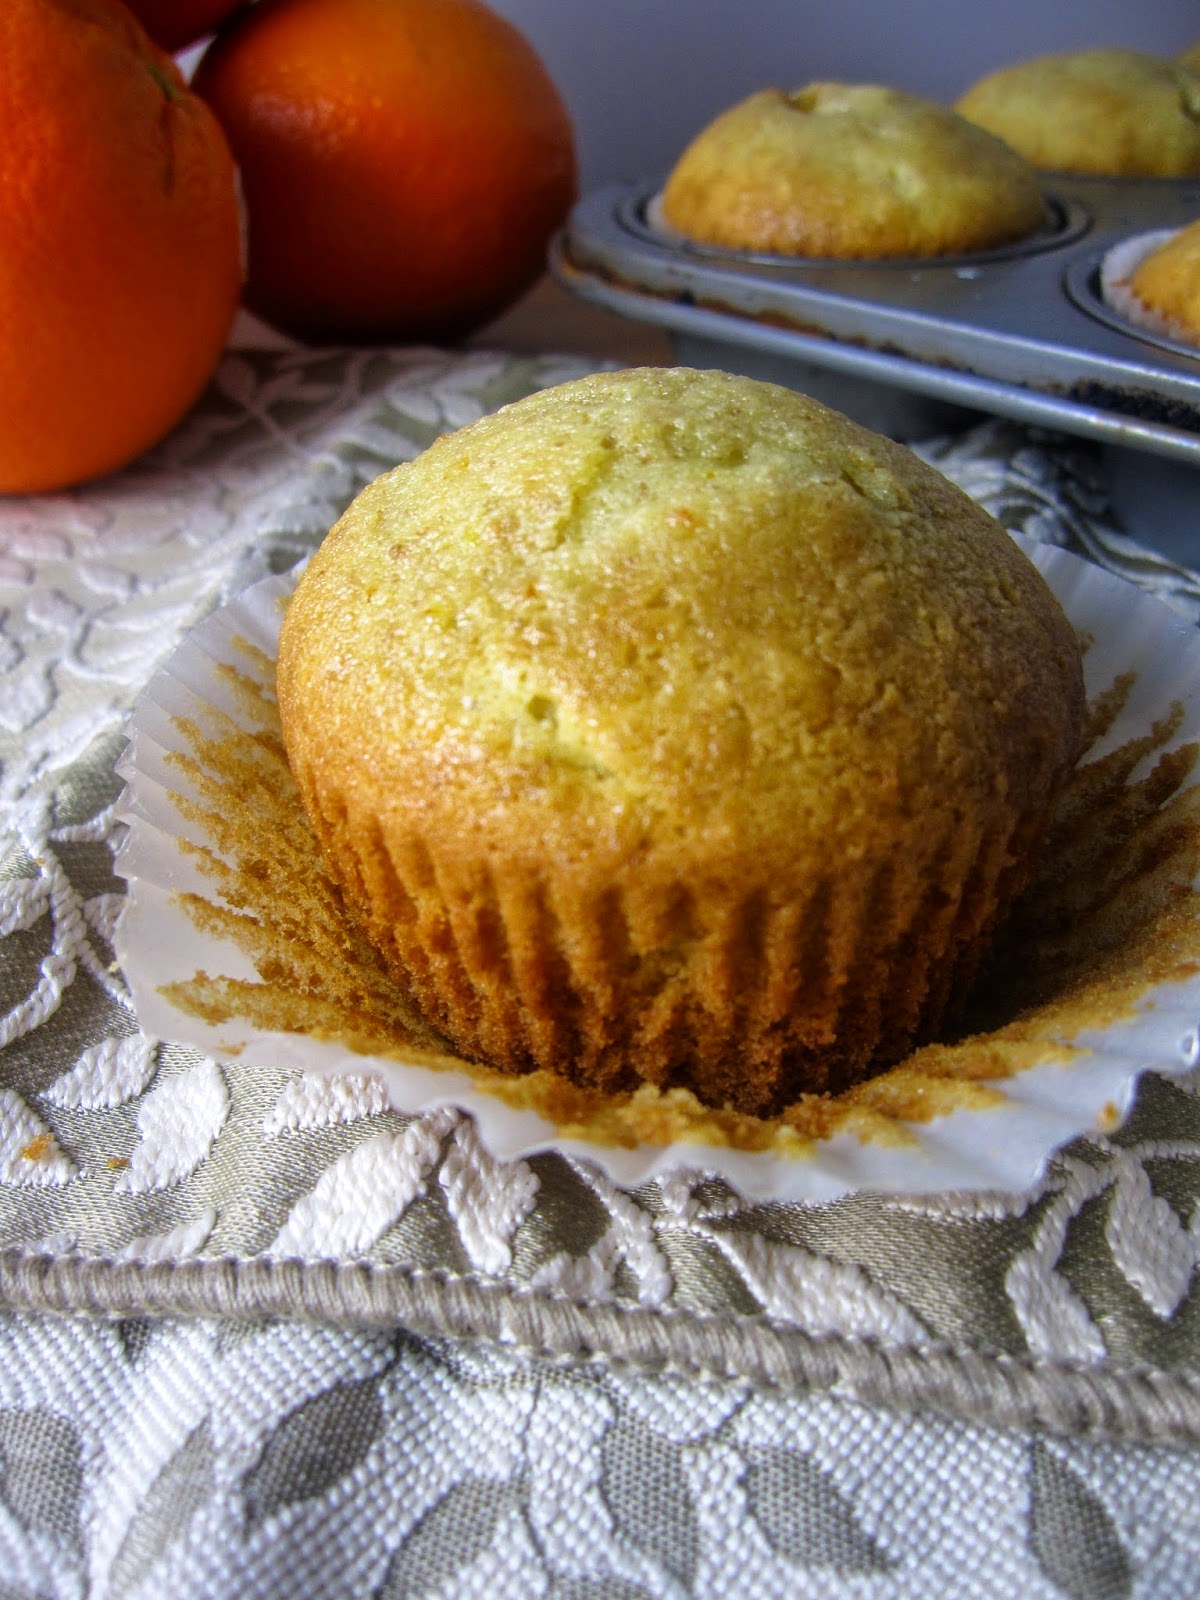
{"type": "Point", "coordinates": [1147, 284]}
{"type": "Point", "coordinates": [1166, 283]}
{"type": "Point", "coordinates": [1108, 113]}
{"type": "Point", "coordinates": [668, 727]}
{"type": "Point", "coordinates": [850, 171]}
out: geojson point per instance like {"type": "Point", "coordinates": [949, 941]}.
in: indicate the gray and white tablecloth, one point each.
{"type": "Point", "coordinates": [263, 1336]}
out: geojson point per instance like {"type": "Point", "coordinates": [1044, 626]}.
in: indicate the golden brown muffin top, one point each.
{"type": "Point", "coordinates": [676, 615]}
{"type": "Point", "coordinates": [1109, 113]}
{"type": "Point", "coordinates": [1190, 57]}
{"type": "Point", "coordinates": [850, 170]}
{"type": "Point", "coordinates": [1168, 282]}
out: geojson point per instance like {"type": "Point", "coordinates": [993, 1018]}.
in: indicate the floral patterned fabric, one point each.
{"type": "Point", "coordinates": [348, 1352]}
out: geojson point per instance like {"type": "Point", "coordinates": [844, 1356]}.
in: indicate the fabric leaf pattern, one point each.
{"type": "Point", "coordinates": [311, 1101]}
{"type": "Point", "coordinates": [1051, 1313]}
{"type": "Point", "coordinates": [177, 1244]}
{"type": "Point", "coordinates": [29, 1153]}
{"type": "Point", "coordinates": [314, 1447]}
{"type": "Point", "coordinates": [41, 1476]}
{"type": "Point", "coordinates": [360, 1196]}
{"type": "Point", "coordinates": [1072, 1534]}
{"type": "Point", "coordinates": [488, 1199]}
{"type": "Point", "coordinates": [23, 902]}
{"type": "Point", "coordinates": [451, 1534]}
{"type": "Point", "coordinates": [820, 1295]}
{"type": "Point", "coordinates": [106, 1075]}
{"type": "Point", "coordinates": [804, 1516]}
{"type": "Point", "coordinates": [1149, 1243]}
{"type": "Point", "coordinates": [173, 1499]}
{"type": "Point", "coordinates": [628, 1241]}
{"type": "Point", "coordinates": [178, 1120]}
{"type": "Point", "coordinates": [645, 1486]}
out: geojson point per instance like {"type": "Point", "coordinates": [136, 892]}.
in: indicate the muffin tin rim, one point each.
{"type": "Point", "coordinates": [1001, 336]}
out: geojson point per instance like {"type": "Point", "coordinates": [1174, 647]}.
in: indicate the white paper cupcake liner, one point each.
{"type": "Point", "coordinates": [1002, 1147]}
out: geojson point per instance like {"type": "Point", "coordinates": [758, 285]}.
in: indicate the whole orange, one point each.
{"type": "Point", "coordinates": [119, 254]}
{"type": "Point", "coordinates": [175, 23]}
{"type": "Point", "coordinates": [404, 163]}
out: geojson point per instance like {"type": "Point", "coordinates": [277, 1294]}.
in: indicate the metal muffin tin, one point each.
{"type": "Point", "coordinates": [1020, 332]}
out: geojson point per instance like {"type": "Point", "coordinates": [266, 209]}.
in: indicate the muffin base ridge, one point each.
{"type": "Point", "coordinates": [746, 995]}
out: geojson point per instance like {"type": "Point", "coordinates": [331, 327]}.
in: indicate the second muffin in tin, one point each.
{"type": "Point", "coordinates": [1104, 113]}
{"type": "Point", "coordinates": [850, 171]}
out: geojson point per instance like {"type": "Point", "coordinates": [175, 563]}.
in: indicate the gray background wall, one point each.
{"type": "Point", "coordinates": [641, 76]}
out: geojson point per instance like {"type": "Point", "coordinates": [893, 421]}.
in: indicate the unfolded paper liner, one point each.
{"type": "Point", "coordinates": [1118, 266]}
{"type": "Point", "coordinates": [174, 939]}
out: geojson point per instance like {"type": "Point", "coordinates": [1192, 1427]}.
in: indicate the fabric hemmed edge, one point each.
{"type": "Point", "coordinates": [1130, 1406]}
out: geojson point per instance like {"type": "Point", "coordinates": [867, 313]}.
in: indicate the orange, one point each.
{"type": "Point", "coordinates": [175, 23]}
{"type": "Point", "coordinates": [119, 255]}
{"type": "Point", "coordinates": [405, 163]}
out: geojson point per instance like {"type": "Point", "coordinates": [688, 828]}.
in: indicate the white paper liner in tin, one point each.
{"type": "Point", "coordinates": [656, 218]}
{"type": "Point", "coordinates": [1116, 269]}
{"type": "Point", "coordinates": [1002, 1148]}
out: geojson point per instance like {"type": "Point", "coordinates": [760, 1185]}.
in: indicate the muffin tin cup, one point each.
{"type": "Point", "coordinates": [175, 928]}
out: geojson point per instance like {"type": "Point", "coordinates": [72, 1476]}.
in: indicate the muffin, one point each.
{"type": "Point", "coordinates": [1190, 57]}
{"type": "Point", "coordinates": [850, 170]}
{"type": "Point", "coordinates": [1167, 284]}
{"type": "Point", "coordinates": [1109, 113]}
{"type": "Point", "coordinates": [667, 727]}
